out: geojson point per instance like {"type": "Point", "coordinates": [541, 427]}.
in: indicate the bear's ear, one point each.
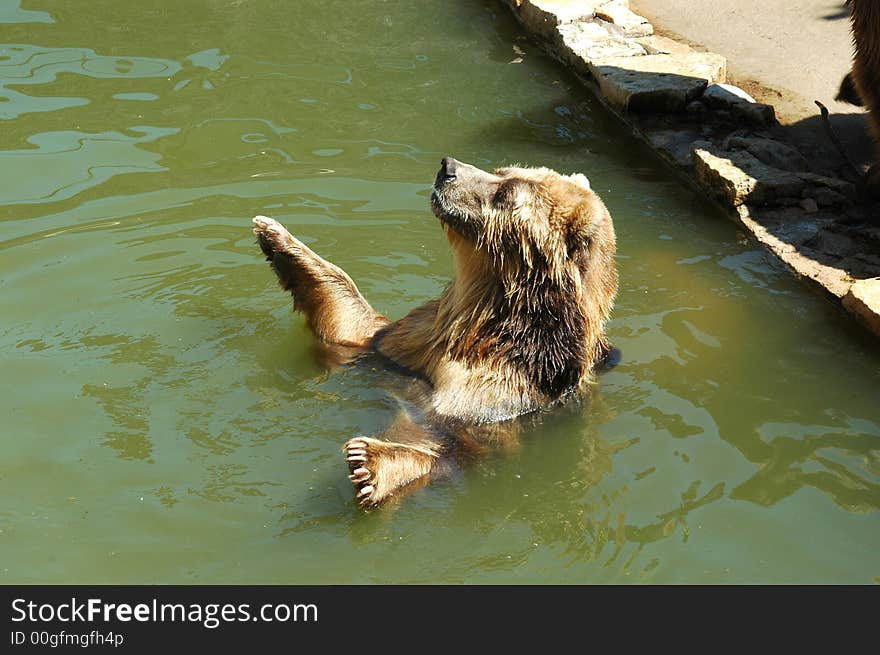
{"type": "Point", "coordinates": [581, 180]}
{"type": "Point", "coordinates": [513, 194]}
{"type": "Point", "coordinates": [584, 219]}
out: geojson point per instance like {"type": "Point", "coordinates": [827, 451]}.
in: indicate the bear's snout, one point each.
{"type": "Point", "coordinates": [447, 172]}
{"type": "Point", "coordinates": [448, 166]}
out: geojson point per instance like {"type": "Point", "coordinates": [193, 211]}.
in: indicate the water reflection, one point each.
{"type": "Point", "coordinates": [28, 65]}
{"type": "Point", "coordinates": [228, 482]}
{"type": "Point", "coordinates": [127, 406]}
{"type": "Point", "coordinates": [62, 164]}
{"type": "Point", "coordinates": [11, 12]}
{"type": "Point", "coordinates": [839, 463]}
{"type": "Point", "coordinates": [575, 507]}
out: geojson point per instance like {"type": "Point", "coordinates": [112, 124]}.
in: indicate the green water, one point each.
{"type": "Point", "coordinates": [164, 416]}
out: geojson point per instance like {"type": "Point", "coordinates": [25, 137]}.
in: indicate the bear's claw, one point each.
{"type": "Point", "coordinates": [361, 476]}
{"type": "Point", "coordinates": [379, 468]}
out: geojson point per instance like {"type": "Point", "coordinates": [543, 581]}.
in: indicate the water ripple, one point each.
{"type": "Point", "coordinates": [67, 162]}
{"type": "Point", "coordinates": [24, 64]}
{"type": "Point", "coordinates": [11, 12]}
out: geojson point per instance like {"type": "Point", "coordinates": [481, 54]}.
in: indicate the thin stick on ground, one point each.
{"type": "Point", "coordinates": [836, 141]}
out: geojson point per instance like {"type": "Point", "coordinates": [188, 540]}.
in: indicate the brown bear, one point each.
{"type": "Point", "coordinates": [520, 328]}
{"type": "Point", "coordinates": [847, 91]}
{"type": "Point", "coordinates": [865, 76]}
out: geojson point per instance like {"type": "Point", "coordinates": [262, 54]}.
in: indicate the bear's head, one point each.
{"type": "Point", "coordinates": [534, 254]}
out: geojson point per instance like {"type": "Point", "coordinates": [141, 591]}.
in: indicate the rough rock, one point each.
{"type": "Point", "coordinates": [863, 300]}
{"type": "Point", "coordinates": [542, 17]}
{"type": "Point", "coordinates": [773, 153]}
{"type": "Point", "coordinates": [861, 265]}
{"type": "Point", "coordinates": [832, 244]}
{"type": "Point", "coordinates": [585, 41]}
{"type": "Point", "coordinates": [834, 280]}
{"type": "Point", "coordinates": [809, 205]}
{"type": "Point", "coordinates": [841, 187]}
{"type": "Point", "coordinates": [660, 45]}
{"type": "Point", "coordinates": [676, 145]}
{"type": "Point", "coordinates": [825, 197]}
{"type": "Point", "coordinates": [753, 113]}
{"type": "Point", "coordinates": [620, 14]}
{"type": "Point", "coordinates": [656, 83]}
{"type": "Point", "coordinates": [791, 225]}
{"type": "Point", "coordinates": [738, 177]}
{"type": "Point", "coordinates": [614, 30]}
{"type": "Point", "coordinates": [695, 107]}
{"type": "Point", "coordinates": [723, 95]}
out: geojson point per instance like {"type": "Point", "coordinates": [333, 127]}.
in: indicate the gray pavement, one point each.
{"type": "Point", "coordinates": [800, 46]}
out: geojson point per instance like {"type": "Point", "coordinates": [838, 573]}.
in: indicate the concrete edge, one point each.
{"type": "Point", "coordinates": [716, 137]}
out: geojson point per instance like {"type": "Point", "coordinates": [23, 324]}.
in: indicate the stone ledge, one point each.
{"type": "Point", "coordinates": [543, 17]}
{"type": "Point", "coordinates": [718, 139]}
{"type": "Point", "coordinates": [863, 300]}
{"type": "Point", "coordinates": [619, 13]}
{"type": "Point", "coordinates": [738, 177]}
{"type": "Point", "coordinates": [772, 153]}
{"type": "Point", "coordinates": [832, 280]}
{"type": "Point", "coordinates": [586, 41]}
{"type": "Point", "coordinates": [652, 83]}
{"type": "Point", "coordinates": [661, 45]}
{"type": "Point", "coordinates": [723, 95]}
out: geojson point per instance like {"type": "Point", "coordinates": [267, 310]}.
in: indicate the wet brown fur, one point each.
{"type": "Point", "coordinates": [521, 326]}
{"type": "Point", "coordinates": [865, 16]}
{"type": "Point", "coordinates": [332, 304]}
